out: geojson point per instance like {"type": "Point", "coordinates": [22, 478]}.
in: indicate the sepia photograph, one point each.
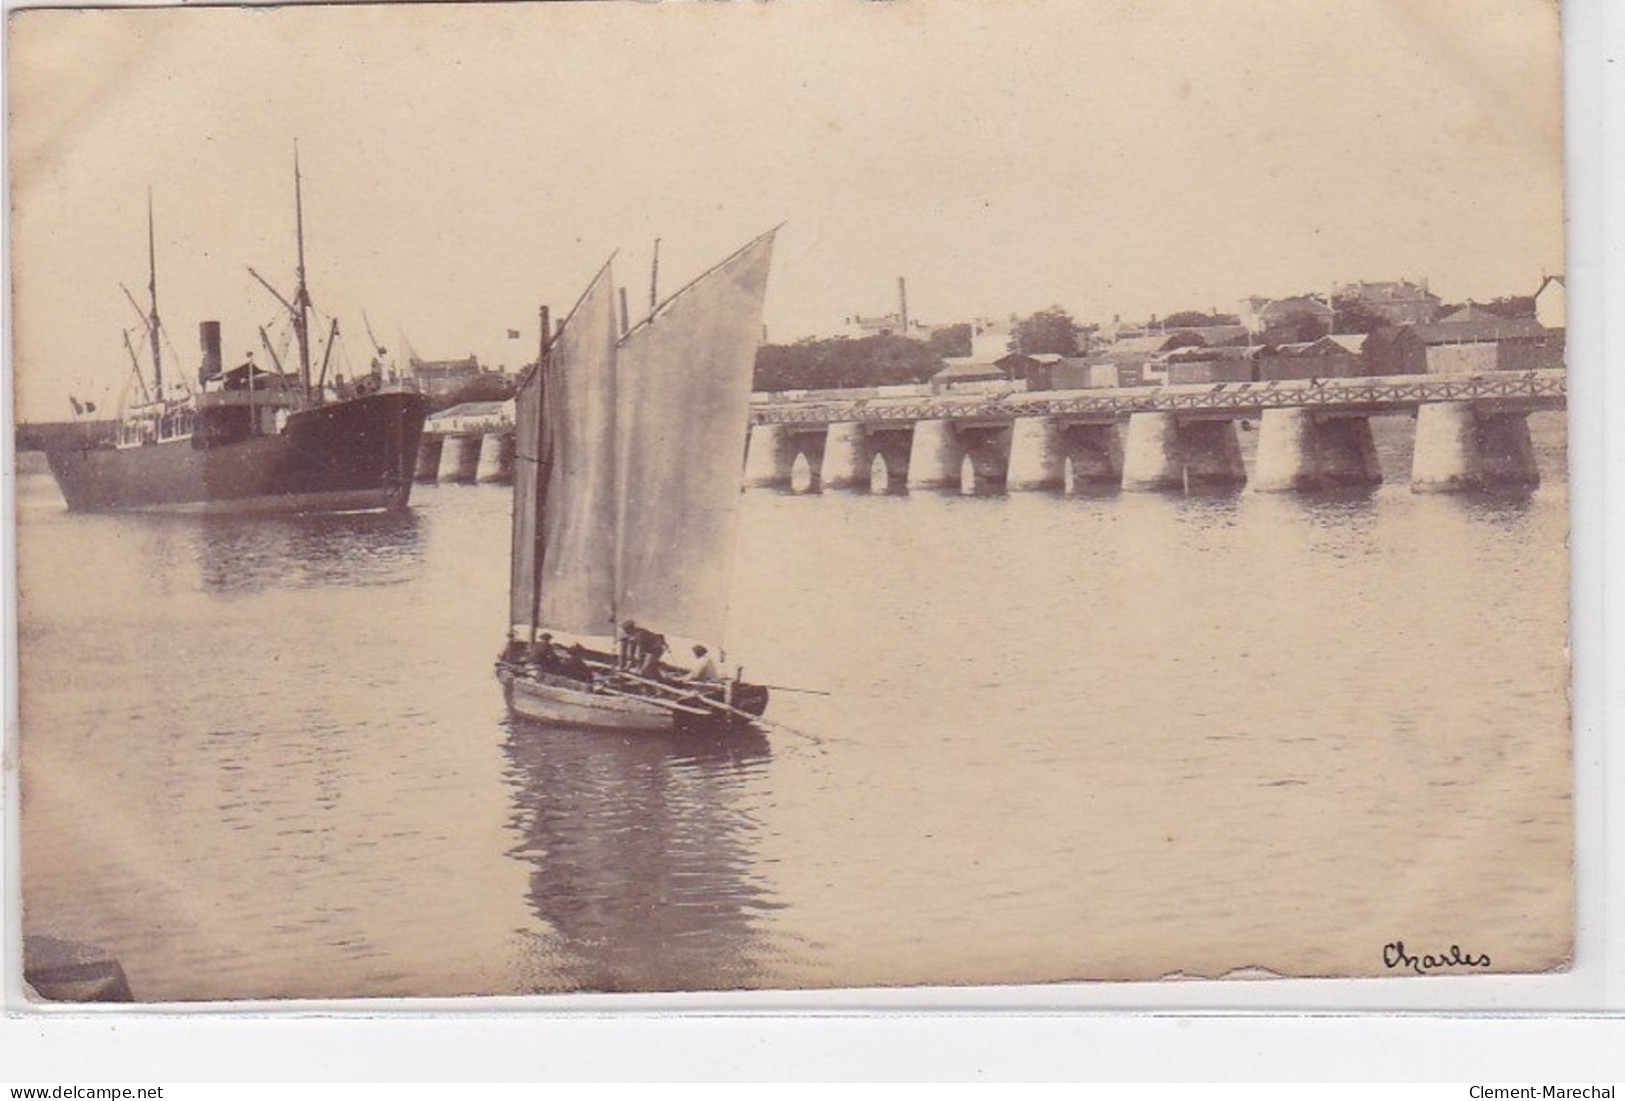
{"type": "Point", "coordinates": [550, 498]}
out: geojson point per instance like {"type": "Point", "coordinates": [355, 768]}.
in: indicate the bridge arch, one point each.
{"type": "Point", "coordinates": [803, 477]}
{"type": "Point", "coordinates": [775, 450]}
{"type": "Point", "coordinates": [879, 474]}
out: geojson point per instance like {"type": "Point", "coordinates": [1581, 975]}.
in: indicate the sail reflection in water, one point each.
{"type": "Point", "coordinates": [642, 856]}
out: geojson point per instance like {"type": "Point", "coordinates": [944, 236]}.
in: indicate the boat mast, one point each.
{"type": "Point", "coordinates": [654, 280]}
{"type": "Point", "coordinates": [152, 291]}
{"type": "Point", "coordinates": [539, 541]}
{"type": "Point", "coordinates": [301, 297]}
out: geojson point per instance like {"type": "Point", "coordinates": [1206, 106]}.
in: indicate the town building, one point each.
{"type": "Point", "coordinates": [887, 324]}
{"type": "Point", "coordinates": [472, 417]}
{"type": "Point", "coordinates": [1551, 303]}
{"type": "Point", "coordinates": [968, 374]}
{"type": "Point", "coordinates": [438, 377]}
{"type": "Point", "coordinates": [1196, 364]}
{"type": "Point", "coordinates": [1277, 319]}
{"type": "Point", "coordinates": [989, 339]}
{"type": "Point", "coordinates": [896, 323]}
{"type": "Point", "coordinates": [1400, 302]}
{"type": "Point", "coordinates": [1328, 357]}
{"type": "Point", "coordinates": [1475, 343]}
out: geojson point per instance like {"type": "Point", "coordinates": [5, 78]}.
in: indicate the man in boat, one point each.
{"type": "Point", "coordinates": [640, 650]}
{"type": "Point", "coordinates": [574, 664]}
{"type": "Point", "coordinates": [704, 668]}
{"type": "Point", "coordinates": [650, 648]}
{"type": "Point", "coordinates": [626, 644]}
{"type": "Point", "coordinates": [514, 652]}
{"type": "Point", "coordinates": [544, 655]}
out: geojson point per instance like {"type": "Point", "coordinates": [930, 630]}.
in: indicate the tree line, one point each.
{"type": "Point", "coordinates": [840, 362]}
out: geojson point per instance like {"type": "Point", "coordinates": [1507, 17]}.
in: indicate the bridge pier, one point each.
{"type": "Point", "coordinates": [849, 457]}
{"type": "Point", "coordinates": [1505, 451]}
{"type": "Point", "coordinates": [1299, 451]}
{"type": "Point", "coordinates": [1162, 453]}
{"type": "Point", "coordinates": [891, 447]}
{"type": "Point", "coordinates": [1037, 455]}
{"type": "Point", "coordinates": [428, 464]}
{"type": "Point", "coordinates": [1096, 454]}
{"type": "Point", "coordinates": [989, 464]}
{"type": "Point", "coordinates": [1458, 449]}
{"type": "Point", "coordinates": [459, 458]}
{"type": "Point", "coordinates": [496, 458]}
{"type": "Point", "coordinates": [809, 447]}
{"type": "Point", "coordinates": [1212, 455]}
{"type": "Point", "coordinates": [1151, 459]}
{"type": "Point", "coordinates": [770, 457]}
{"type": "Point", "coordinates": [988, 450]}
{"type": "Point", "coordinates": [935, 456]}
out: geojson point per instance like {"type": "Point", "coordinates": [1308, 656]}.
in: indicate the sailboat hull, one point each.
{"type": "Point", "coordinates": [548, 700]}
{"type": "Point", "coordinates": [350, 455]}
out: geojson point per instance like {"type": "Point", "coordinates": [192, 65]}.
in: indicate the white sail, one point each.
{"type": "Point", "coordinates": [578, 429]}
{"type": "Point", "coordinates": [527, 500]}
{"type": "Point", "coordinates": [627, 485]}
{"type": "Point", "coordinates": [564, 481]}
{"type": "Point", "coordinates": [682, 414]}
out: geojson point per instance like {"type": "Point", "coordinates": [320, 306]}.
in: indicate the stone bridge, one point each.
{"type": "Point", "coordinates": [1472, 432]}
{"type": "Point", "coordinates": [473, 442]}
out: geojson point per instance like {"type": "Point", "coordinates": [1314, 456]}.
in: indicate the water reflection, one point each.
{"type": "Point", "coordinates": [1498, 505]}
{"type": "Point", "coordinates": [240, 553]}
{"type": "Point", "coordinates": [643, 854]}
{"type": "Point", "coordinates": [1206, 505]}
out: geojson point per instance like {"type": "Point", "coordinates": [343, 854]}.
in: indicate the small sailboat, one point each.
{"type": "Point", "coordinates": [249, 438]}
{"type": "Point", "coordinates": [626, 498]}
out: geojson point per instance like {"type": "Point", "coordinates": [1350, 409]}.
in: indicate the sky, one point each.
{"type": "Point", "coordinates": [464, 164]}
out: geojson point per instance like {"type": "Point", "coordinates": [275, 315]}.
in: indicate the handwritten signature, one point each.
{"type": "Point", "coordinates": [1394, 955]}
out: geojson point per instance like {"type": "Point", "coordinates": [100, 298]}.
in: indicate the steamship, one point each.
{"type": "Point", "coordinates": [249, 438]}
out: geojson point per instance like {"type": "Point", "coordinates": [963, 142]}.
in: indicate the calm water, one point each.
{"type": "Point", "coordinates": [1068, 738]}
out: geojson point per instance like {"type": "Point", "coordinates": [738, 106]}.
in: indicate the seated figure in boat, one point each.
{"type": "Point", "coordinates": [573, 664]}
{"type": "Point", "coordinates": [704, 669]}
{"type": "Point", "coordinates": [544, 655]}
{"type": "Point", "coordinates": [514, 652]}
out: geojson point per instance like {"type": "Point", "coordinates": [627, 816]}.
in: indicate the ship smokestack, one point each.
{"type": "Point", "coordinates": [208, 335]}
{"type": "Point", "coordinates": [902, 303]}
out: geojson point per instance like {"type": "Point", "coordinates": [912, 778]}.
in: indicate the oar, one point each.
{"type": "Point", "coordinates": [787, 688]}
{"type": "Point", "coordinates": [719, 706]}
{"type": "Point", "coordinates": [661, 685]}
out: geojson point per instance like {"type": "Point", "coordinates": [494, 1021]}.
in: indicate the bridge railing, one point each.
{"type": "Point", "coordinates": [1524, 390]}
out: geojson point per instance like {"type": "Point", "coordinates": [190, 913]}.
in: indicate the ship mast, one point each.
{"type": "Point", "coordinates": [152, 291]}
{"type": "Point", "coordinates": [301, 297]}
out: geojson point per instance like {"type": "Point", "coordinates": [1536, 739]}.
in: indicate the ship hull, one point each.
{"type": "Point", "coordinates": [348, 456]}
{"type": "Point", "coordinates": [550, 701]}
